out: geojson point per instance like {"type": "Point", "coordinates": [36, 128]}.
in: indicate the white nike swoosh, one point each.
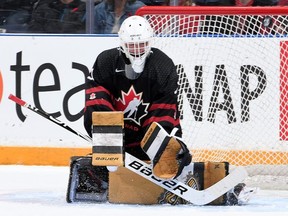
{"type": "Point", "coordinates": [117, 70]}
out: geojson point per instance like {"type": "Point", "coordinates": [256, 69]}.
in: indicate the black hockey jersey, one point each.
{"type": "Point", "coordinates": [151, 97]}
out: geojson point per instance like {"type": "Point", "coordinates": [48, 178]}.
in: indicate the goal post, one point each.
{"type": "Point", "coordinates": [232, 64]}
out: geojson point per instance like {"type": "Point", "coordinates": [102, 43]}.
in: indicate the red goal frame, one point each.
{"type": "Point", "coordinates": [201, 10]}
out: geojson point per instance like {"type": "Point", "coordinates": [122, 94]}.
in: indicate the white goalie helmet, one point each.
{"type": "Point", "coordinates": [135, 40]}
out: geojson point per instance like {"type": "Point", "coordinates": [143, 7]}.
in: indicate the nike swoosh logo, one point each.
{"type": "Point", "coordinates": [117, 70]}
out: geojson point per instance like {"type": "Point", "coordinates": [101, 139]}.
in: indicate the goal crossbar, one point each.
{"type": "Point", "coordinates": [189, 10]}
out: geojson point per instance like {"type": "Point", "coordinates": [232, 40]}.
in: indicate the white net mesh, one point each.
{"type": "Point", "coordinates": [233, 81]}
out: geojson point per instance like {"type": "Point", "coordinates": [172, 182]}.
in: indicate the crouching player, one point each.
{"type": "Point", "coordinates": [141, 82]}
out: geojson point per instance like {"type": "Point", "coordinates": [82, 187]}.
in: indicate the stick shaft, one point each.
{"type": "Point", "coordinates": [48, 116]}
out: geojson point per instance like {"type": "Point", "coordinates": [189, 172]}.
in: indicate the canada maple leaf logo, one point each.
{"type": "Point", "coordinates": [132, 105]}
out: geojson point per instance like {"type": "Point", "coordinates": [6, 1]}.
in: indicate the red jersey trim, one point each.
{"type": "Point", "coordinates": [169, 119]}
{"type": "Point", "coordinates": [100, 102]}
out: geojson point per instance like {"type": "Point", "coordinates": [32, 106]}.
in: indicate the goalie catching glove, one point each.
{"type": "Point", "coordinates": [168, 154]}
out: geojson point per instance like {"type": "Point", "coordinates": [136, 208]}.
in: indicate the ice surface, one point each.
{"type": "Point", "coordinates": [41, 191]}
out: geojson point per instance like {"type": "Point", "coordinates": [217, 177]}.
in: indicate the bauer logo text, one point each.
{"type": "Point", "coordinates": [147, 172]}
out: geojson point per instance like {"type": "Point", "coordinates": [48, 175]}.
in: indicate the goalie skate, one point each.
{"type": "Point", "coordinates": [87, 183]}
{"type": "Point", "coordinates": [240, 194]}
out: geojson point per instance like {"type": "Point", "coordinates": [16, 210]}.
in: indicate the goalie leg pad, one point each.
{"type": "Point", "coordinates": [214, 172]}
{"type": "Point", "coordinates": [168, 154]}
{"type": "Point", "coordinates": [87, 183]}
{"type": "Point", "coordinates": [202, 175]}
{"type": "Point", "coordinates": [199, 175]}
{"type": "Point", "coordinates": [127, 187]}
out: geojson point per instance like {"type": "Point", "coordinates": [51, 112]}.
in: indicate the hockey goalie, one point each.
{"type": "Point", "coordinates": [131, 113]}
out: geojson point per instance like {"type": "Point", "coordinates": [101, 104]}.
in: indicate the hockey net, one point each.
{"type": "Point", "coordinates": [233, 81]}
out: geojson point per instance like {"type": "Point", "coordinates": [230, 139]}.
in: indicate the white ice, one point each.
{"type": "Point", "coordinates": [41, 191]}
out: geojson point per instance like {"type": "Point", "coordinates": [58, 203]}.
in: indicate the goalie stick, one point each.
{"type": "Point", "coordinates": [47, 116]}
{"type": "Point", "coordinates": [141, 168]}
{"type": "Point", "coordinates": [197, 197]}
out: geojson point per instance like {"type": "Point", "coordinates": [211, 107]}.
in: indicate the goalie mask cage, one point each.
{"type": "Point", "coordinates": [233, 81]}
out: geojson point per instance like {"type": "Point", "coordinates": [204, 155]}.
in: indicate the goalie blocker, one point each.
{"type": "Point", "coordinates": [107, 136]}
{"type": "Point", "coordinates": [90, 180]}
